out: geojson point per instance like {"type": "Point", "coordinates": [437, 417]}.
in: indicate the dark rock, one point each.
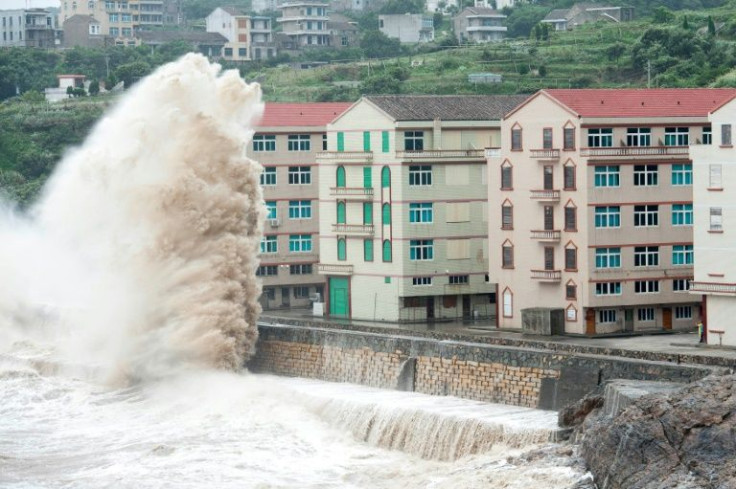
{"type": "Point", "coordinates": [682, 440]}
{"type": "Point", "coordinates": [575, 413]}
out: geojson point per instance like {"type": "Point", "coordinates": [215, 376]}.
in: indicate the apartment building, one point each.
{"type": "Point", "coordinates": [304, 24]}
{"type": "Point", "coordinates": [248, 37]}
{"type": "Point", "coordinates": [407, 28]}
{"type": "Point", "coordinates": [479, 25]}
{"type": "Point", "coordinates": [714, 193]}
{"type": "Point", "coordinates": [591, 208]}
{"type": "Point", "coordinates": [286, 143]}
{"type": "Point", "coordinates": [118, 19]}
{"type": "Point", "coordinates": [403, 207]}
{"type": "Point", "coordinates": [27, 28]}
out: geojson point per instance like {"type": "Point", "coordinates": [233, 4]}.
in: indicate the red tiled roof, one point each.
{"type": "Point", "coordinates": [654, 102]}
{"type": "Point", "coordinates": [314, 114]}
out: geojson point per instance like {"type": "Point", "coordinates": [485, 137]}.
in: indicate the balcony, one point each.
{"type": "Point", "coordinates": [633, 151]}
{"type": "Point", "coordinates": [493, 152]}
{"type": "Point", "coordinates": [353, 229]}
{"type": "Point", "coordinates": [546, 195]}
{"type": "Point", "coordinates": [545, 154]}
{"type": "Point", "coordinates": [713, 288]}
{"type": "Point", "coordinates": [334, 269]}
{"type": "Point", "coordinates": [551, 276]}
{"type": "Point", "coordinates": [547, 236]}
{"type": "Point", "coordinates": [347, 156]}
{"type": "Point", "coordinates": [442, 155]}
{"type": "Point", "coordinates": [352, 193]}
{"type": "Point", "coordinates": [486, 28]}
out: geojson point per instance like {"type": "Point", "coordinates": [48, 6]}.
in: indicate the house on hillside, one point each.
{"type": "Point", "coordinates": [211, 44]}
{"type": "Point", "coordinates": [27, 28]}
{"type": "Point", "coordinates": [248, 37]}
{"type": "Point", "coordinates": [343, 31]}
{"type": "Point", "coordinates": [407, 28]}
{"type": "Point", "coordinates": [479, 25]}
{"type": "Point", "coordinates": [84, 31]}
{"type": "Point", "coordinates": [304, 25]}
{"type": "Point", "coordinates": [56, 94]}
{"type": "Point", "coordinates": [580, 13]}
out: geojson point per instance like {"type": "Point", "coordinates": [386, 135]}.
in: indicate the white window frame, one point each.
{"type": "Point", "coordinates": [607, 256]}
{"type": "Point", "coordinates": [606, 216]}
{"type": "Point", "coordinates": [269, 244]}
{"type": "Point", "coordinates": [607, 316]}
{"type": "Point", "coordinates": [268, 177]}
{"type": "Point", "coordinates": [299, 142]}
{"type": "Point", "coordinates": [413, 140]}
{"type": "Point", "coordinates": [682, 215]}
{"type": "Point", "coordinates": [645, 314]}
{"type": "Point", "coordinates": [716, 219]}
{"type": "Point", "coordinates": [683, 312]}
{"type": "Point", "coordinates": [676, 136]}
{"type": "Point", "coordinates": [600, 137]}
{"type": "Point", "coordinates": [607, 176]}
{"type": "Point", "coordinates": [646, 175]}
{"type": "Point", "coordinates": [300, 209]}
{"type": "Point", "coordinates": [264, 143]}
{"type": "Point", "coordinates": [421, 281]}
{"type": "Point", "coordinates": [607, 288]}
{"type": "Point", "coordinates": [300, 243]}
{"type": "Point", "coordinates": [272, 210]}
{"type": "Point", "coordinates": [715, 176]}
{"type": "Point", "coordinates": [639, 136]}
{"type": "Point", "coordinates": [682, 174]}
{"type": "Point", "coordinates": [646, 216]}
{"type": "Point", "coordinates": [421, 250]}
{"type": "Point", "coordinates": [300, 175]}
{"type": "Point", "coordinates": [420, 176]}
{"type": "Point", "coordinates": [687, 254]}
{"type": "Point", "coordinates": [646, 256]}
{"type": "Point", "coordinates": [421, 213]}
{"type": "Point", "coordinates": [301, 269]}
{"type": "Point", "coordinates": [646, 287]}
{"type": "Point", "coordinates": [681, 285]}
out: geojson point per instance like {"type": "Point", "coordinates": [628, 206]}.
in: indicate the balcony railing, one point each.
{"type": "Point", "coordinates": [353, 229]}
{"type": "Point", "coordinates": [334, 269]}
{"type": "Point", "coordinates": [546, 235]}
{"type": "Point", "coordinates": [635, 151]}
{"type": "Point", "coordinates": [493, 152]}
{"type": "Point", "coordinates": [547, 275]}
{"type": "Point", "coordinates": [442, 154]}
{"type": "Point", "coordinates": [546, 195]}
{"type": "Point", "coordinates": [352, 193]}
{"type": "Point", "coordinates": [712, 287]}
{"type": "Point", "coordinates": [356, 156]}
{"type": "Point", "coordinates": [545, 154]}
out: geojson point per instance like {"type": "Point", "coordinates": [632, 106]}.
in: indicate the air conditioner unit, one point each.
{"type": "Point", "coordinates": [274, 223]}
{"type": "Point", "coordinates": [316, 297]}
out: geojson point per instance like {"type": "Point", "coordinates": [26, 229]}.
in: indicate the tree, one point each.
{"type": "Point", "coordinates": [615, 51]}
{"type": "Point", "coordinates": [542, 70]}
{"type": "Point", "coordinates": [381, 83]}
{"type": "Point", "coordinates": [403, 7]}
{"type": "Point", "coordinates": [94, 87]}
{"type": "Point", "coordinates": [536, 33]}
{"type": "Point", "coordinates": [711, 26]}
{"type": "Point", "coordinates": [132, 72]}
{"type": "Point", "coordinates": [376, 44]}
{"type": "Point", "coordinates": [522, 19]}
{"type": "Point", "coordinates": [685, 25]}
{"type": "Point", "coordinates": [662, 15]}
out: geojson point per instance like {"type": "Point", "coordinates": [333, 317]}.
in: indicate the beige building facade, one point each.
{"type": "Point", "coordinates": [304, 24]}
{"type": "Point", "coordinates": [118, 19]}
{"type": "Point", "coordinates": [714, 176]}
{"type": "Point", "coordinates": [403, 222]}
{"type": "Point", "coordinates": [286, 143]}
{"type": "Point", "coordinates": [248, 37]}
{"type": "Point", "coordinates": [591, 208]}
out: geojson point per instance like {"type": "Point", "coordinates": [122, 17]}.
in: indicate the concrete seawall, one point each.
{"type": "Point", "coordinates": [528, 373]}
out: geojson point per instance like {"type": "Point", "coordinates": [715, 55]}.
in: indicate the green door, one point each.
{"type": "Point", "coordinates": [338, 296]}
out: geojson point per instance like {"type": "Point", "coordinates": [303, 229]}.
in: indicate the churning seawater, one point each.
{"type": "Point", "coordinates": [128, 302]}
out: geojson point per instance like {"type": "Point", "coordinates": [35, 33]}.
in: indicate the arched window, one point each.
{"type": "Point", "coordinates": [571, 313]}
{"type": "Point", "coordinates": [341, 212]}
{"type": "Point", "coordinates": [507, 215]}
{"type": "Point", "coordinates": [568, 175]}
{"type": "Point", "coordinates": [386, 213]}
{"type": "Point", "coordinates": [385, 177]}
{"type": "Point", "coordinates": [508, 303]}
{"type": "Point", "coordinates": [386, 250]}
{"type": "Point", "coordinates": [507, 176]}
{"type": "Point", "coordinates": [341, 250]}
{"type": "Point", "coordinates": [571, 290]}
{"type": "Point", "coordinates": [571, 257]}
{"type": "Point", "coordinates": [507, 254]}
{"type": "Point", "coordinates": [340, 176]}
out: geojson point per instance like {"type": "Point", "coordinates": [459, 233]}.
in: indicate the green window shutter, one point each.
{"type": "Point", "coordinates": [385, 177]}
{"type": "Point", "coordinates": [386, 213]}
{"type": "Point", "coordinates": [366, 141]}
{"type": "Point", "coordinates": [341, 141]}
{"type": "Point", "coordinates": [367, 177]}
{"type": "Point", "coordinates": [341, 252]}
{"type": "Point", "coordinates": [387, 251]}
{"type": "Point", "coordinates": [341, 212]}
{"type": "Point", "coordinates": [367, 213]}
{"type": "Point", "coordinates": [368, 250]}
{"type": "Point", "coordinates": [340, 176]}
{"type": "Point", "coordinates": [384, 141]}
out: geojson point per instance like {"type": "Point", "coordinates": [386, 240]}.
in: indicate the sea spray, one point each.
{"type": "Point", "coordinates": [140, 256]}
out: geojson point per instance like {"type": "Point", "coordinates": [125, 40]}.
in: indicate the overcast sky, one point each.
{"type": "Point", "coordinates": [8, 4]}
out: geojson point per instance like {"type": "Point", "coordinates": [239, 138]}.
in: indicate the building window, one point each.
{"type": "Point", "coordinates": [608, 216]}
{"type": "Point", "coordinates": [639, 136]}
{"type": "Point", "coordinates": [269, 293]}
{"type": "Point", "coordinates": [384, 142]}
{"type": "Point", "coordinates": [571, 314]}
{"type": "Point", "coordinates": [607, 316]}
{"type": "Point", "coordinates": [683, 312]}
{"type": "Point", "coordinates": [608, 257]}
{"type": "Point", "coordinates": [682, 174]}
{"type": "Point", "coordinates": [366, 141]}
{"type": "Point", "coordinates": [458, 279]}
{"type": "Point", "coordinates": [420, 212]}
{"type": "Point", "coordinates": [367, 177]}
{"type": "Point", "coordinates": [682, 214]}
{"type": "Point", "coordinates": [300, 175]}
{"type": "Point", "coordinates": [340, 177]}
{"type": "Point", "coordinates": [646, 256]}
{"type": "Point", "coordinates": [340, 141]}
{"type": "Point", "coordinates": [420, 175]}
{"type": "Point", "coordinates": [606, 176]}
{"type": "Point", "coordinates": [508, 303]}
{"type": "Point", "coordinates": [268, 177]}
{"type": "Point", "coordinates": [507, 216]}
{"type": "Point", "coordinates": [600, 138]}
{"type": "Point", "coordinates": [569, 138]}
{"type": "Point", "coordinates": [569, 177]}
{"type": "Point", "coordinates": [387, 251]}
{"type": "Point", "coordinates": [385, 177]}
{"type": "Point", "coordinates": [342, 254]}
{"type": "Point", "coordinates": [413, 140]}
{"type": "Point", "coordinates": [707, 135]}
{"type": "Point", "coordinates": [267, 271]}
{"type": "Point", "coordinates": [725, 134]}
{"type": "Point", "coordinates": [571, 258]}
{"type": "Point", "coordinates": [271, 210]}
{"type": "Point", "coordinates": [301, 292]}
{"type": "Point", "coordinates": [507, 176]}
{"type": "Point", "coordinates": [367, 250]}
{"type": "Point", "coordinates": [715, 179]}
{"type": "Point", "coordinates": [645, 175]}
{"type": "Point", "coordinates": [571, 291]}
{"type": "Point", "coordinates": [421, 249]}
{"type": "Point", "coordinates": [547, 138]}
{"type": "Point", "coordinates": [300, 209]}
{"type": "Point", "coordinates": [516, 139]}
{"type": "Point", "coordinates": [646, 287]}
{"type": "Point", "coordinates": [645, 314]}
{"type": "Point", "coordinates": [299, 142]}
{"type": "Point", "coordinates": [507, 255]}
{"type": "Point", "coordinates": [682, 255]}
{"type": "Point", "coordinates": [421, 281]}
{"type": "Point", "coordinates": [608, 288]}
{"type": "Point", "coordinates": [114, 32]}
{"type": "Point", "coordinates": [646, 215]}
{"type": "Point", "coordinates": [716, 219]}
{"type": "Point", "coordinates": [676, 136]}
{"type": "Point", "coordinates": [340, 212]}
{"type": "Point", "coordinates": [300, 243]}
{"type": "Point", "coordinates": [571, 219]}
{"type": "Point", "coordinates": [324, 142]}
{"type": "Point", "coordinates": [368, 213]}
{"type": "Point", "coordinates": [301, 269]}
{"type": "Point", "coordinates": [269, 244]}
{"type": "Point", "coordinates": [681, 285]}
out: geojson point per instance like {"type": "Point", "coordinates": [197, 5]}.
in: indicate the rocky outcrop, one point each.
{"type": "Point", "coordinates": [683, 440]}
